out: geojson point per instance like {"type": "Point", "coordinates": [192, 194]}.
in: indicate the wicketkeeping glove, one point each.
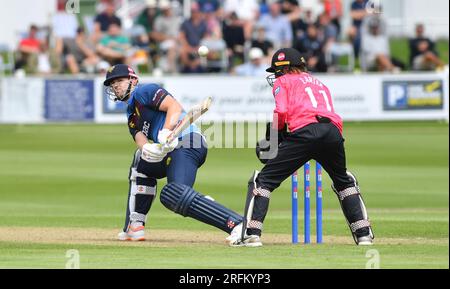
{"type": "Point", "coordinates": [266, 148]}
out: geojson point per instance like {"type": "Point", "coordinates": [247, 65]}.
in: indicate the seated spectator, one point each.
{"type": "Point", "coordinates": [80, 53]}
{"type": "Point", "coordinates": [64, 29]}
{"type": "Point", "coordinates": [423, 55]}
{"type": "Point", "coordinates": [301, 25]}
{"type": "Point", "coordinates": [328, 31]}
{"type": "Point", "coordinates": [375, 51]}
{"type": "Point", "coordinates": [114, 47]}
{"type": "Point", "coordinates": [213, 26]}
{"type": "Point", "coordinates": [214, 4]}
{"type": "Point", "coordinates": [262, 42]}
{"type": "Point", "coordinates": [277, 26]}
{"type": "Point", "coordinates": [332, 48]}
{"type": "Point", "coordinates": [291, 9]}
{"type": "Point", "coordinates": [28, 51]}
{"type": "Point", "coordinates": [247, 12]}
{"type": "Point", "coordinates": [358, 13]}
{"type": "Point", "coordinates": [311, 46]}
{"type": "Point", "coordinates": [192, 32]}
{"type": "Point", "coordinates": [233, 34]}
{"type": "Point", "coordinates": [148, 16]}
{"type": "Point", "coordinates": [147, 20]}
{"type": "Point", "coordinates": [217, 59]}
{"type": "Point", "coordinates": [103, 21]}
{"type": "Point", "coordinates": [166, 29]}
{"type": "Point", "coordinates": [256, 66]}
{"type": "Point", "coordinates": [333, 9]}
{"type": "Point", "coordinates": [64, 25]}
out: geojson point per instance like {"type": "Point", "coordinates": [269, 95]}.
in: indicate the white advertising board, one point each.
{"type": "Point", "coordinates": [356, 97]}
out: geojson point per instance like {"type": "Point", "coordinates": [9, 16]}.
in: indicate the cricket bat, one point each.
{"type": "Point", "coordinates": [191, 116]}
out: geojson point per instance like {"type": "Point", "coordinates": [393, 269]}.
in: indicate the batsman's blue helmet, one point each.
{"type": "Point", "coordinates": [118, 71]}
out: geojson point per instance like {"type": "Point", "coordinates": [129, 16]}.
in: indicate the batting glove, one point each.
{"type": "Point", "coordinates": [153, 153]}
{"type": "Point", "coordinates": [162, 139]}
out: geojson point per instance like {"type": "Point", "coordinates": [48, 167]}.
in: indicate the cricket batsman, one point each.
{"type": "Point", "coordinates": [303, 105]}
{"type": "Point", "coordinates": [152, 115]}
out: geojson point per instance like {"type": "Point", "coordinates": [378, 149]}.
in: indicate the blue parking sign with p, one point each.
{"type": "Point", "coordinates": [395, 96]}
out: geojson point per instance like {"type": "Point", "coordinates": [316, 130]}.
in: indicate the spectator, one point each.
{"type": "Point", "coordinates": [28, 51]}
{"type": "Point", "coordinates": [148, 16]}
{"type": "Point", "coordinates": [192, 32]}
{"type": "Point", "coordinates": [255, 67]}
{"type": "Point", "coordinates": [358, 13]}
{"type": "Point", "coordinates": [277, 26]}
{"type": "Point", "coordinates": [210, 4]}
{"type": "Point", "coordinates": [333, 9]}
{"type": "Point", "coordinates": [301, 25]}
{"type": "Point", "coordinates": [167, 26]}
{"type": "Point", "coordinates": [423, 55]}
{"type": "Point", "coordinates": [213, 27]}
{"type": "Point", "coordinates": [217, 57]}
{"type": "Point", "coordinates": [80, 53]}
{"type": "Point", "coordinates": [375, 51]}
{"type": "Point", "coordinates": [331, 49]}
{"type": "Point", "coordinates": [262, 42]}
{"type": "Point", "coordinates": [247, 11]}
{"type": "Point", "coordinates": [114, 47]}
{"type": "Point", "coordinates": [103, 20]}
{"type": "Point", "coordinates": [64, 29]}
{"type": "Point", "coordinates": [233, 34]}
{"type": "Point", "coordinates": [328, 31]}
{"type": "Point", "coordinates": [64, 25]}
{"type": "Point", "coordinates": [291, 9]}
{"type": "Point", "coordinates": [147, 20]}
{"type": "Point", "coordinates": [311, 46]}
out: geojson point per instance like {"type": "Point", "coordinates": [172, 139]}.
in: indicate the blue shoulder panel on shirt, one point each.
{"type": "Point", "coordinates": [151, 95]}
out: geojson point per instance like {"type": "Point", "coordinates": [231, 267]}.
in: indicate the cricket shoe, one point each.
{"type": "Point", "coordinates": [248, 241]}
{"type": "Point", "coordinates": [234, 240]}
{"type": "Point", "coordinates": [365, 241]}
{"type": "Point", "coordinates": [135, 232]}
{"type": "Point", "coordinates": [235, 233]}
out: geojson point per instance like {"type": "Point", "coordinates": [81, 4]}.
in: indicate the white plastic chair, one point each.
{"type": "Point", "coordinates": [338, 50]}
{"type": "Point", "coordinates": [219, 47]}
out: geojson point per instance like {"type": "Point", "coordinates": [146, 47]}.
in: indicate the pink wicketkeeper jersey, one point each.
{"type": "Point", "coordinates": [299, 98]}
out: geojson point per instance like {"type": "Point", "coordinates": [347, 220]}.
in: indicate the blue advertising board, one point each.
{"type": "Point", "coordinates": [69, 100]}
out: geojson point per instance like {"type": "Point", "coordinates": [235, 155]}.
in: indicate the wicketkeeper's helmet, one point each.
{"type": "Point", "coordinates": [285, 57]}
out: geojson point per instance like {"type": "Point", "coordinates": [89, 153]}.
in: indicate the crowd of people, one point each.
{"type": "Point", "coordinates": [241, 37]}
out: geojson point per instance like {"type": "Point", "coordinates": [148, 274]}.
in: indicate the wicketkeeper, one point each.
{"type": "Point", "coordinates": [305, 108]}
{"type": "Point", "coordinates": [152, 115]}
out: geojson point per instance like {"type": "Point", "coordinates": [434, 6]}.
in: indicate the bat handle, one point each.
{"type": "Point", "coordinates": [169, 139]}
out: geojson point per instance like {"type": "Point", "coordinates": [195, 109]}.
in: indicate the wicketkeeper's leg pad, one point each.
{"type": "Point", "coordinates": [185, 201]}
{"type": "Point", "coordinates": [256, 207]}
{"type": "Point", "coordinates": [354, 209]}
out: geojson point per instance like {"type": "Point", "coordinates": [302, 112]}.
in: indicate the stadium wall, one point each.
{"type": "Point", "coordinates": [357, 97]}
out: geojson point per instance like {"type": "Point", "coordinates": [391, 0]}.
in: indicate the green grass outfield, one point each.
{"type": "Point", "coordinates": [64, 187]}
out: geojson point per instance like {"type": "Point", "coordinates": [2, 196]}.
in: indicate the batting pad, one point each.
{"type": "Point", "coordinates": [185, 201]}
